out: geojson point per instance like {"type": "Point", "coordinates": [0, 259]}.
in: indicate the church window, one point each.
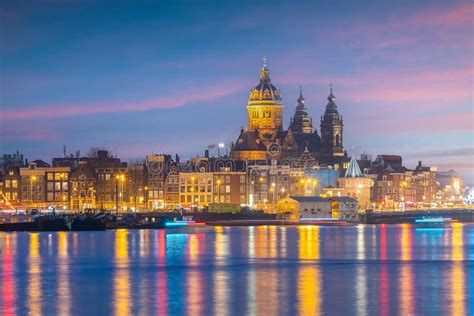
{"type": "Point", "coordinates": [267, 114]}
{"type": "Point", "coordinates": [337, 140]}
{"type": "Point", "coordinates": [255, 114]}
{"type": "Point", "coordinates": [278, 114]}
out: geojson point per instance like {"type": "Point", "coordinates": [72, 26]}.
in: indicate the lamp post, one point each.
{"type": "Point", "coordinates": [146, 198]}
{"type": "Point", "coordinates": [122, 179]}
{"type": "Point", "coordinates": [32, 181]}
{"type": "Point", "coordinates": [219, 191]}
{"type": "Point", "coordinates": [61, 176]}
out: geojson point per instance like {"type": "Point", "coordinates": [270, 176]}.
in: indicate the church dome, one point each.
{"type": "Point", "coordinates": [265, 90]}
{"type": "Point", "coordinates": [331, 107]}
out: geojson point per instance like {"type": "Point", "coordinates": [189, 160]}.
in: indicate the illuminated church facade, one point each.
{"type": "Point", "coordinates": [265, 138]}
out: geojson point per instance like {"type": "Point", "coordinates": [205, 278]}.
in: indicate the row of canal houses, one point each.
{"type": "Point", "coordinates": [163, 182]}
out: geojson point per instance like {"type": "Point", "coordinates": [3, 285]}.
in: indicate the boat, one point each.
{"type": "Point", "coordinates": [33, 224]}
{"type": "Point", "coordinates": [88, 223]}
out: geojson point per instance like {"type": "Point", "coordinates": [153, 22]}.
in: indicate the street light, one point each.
{"type": "Point", "coordinates": [32, 180]}
{"type": "Point", "coordinates": [218, 191]}
{"type": "Point", "coordinates": [146, 198]}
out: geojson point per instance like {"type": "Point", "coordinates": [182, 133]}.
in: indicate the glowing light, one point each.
{"type": "Point", "coordinates": [64, 292]}
{"type": "Point", "coordinates": [309, 277]}
{"type": "Point", "coordinates": [122, 277]}
{"type": "Point", "coordinates": [458, 278]}
{"type": "Point", "coordinates": [433, 220]}
{"type": "Point", "coordinates": [176, 224]}
{"type": "Point", "coordinates": [407, 294]}
{"type": "Point", "coordinates": [34, 276]}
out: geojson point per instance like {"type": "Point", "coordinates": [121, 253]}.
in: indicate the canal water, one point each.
{"type": "Point", "coordinates": [355, 270]}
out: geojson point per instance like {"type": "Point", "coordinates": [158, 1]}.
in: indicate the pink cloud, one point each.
{"type": "Point", "coordinates": [65, 110]}
{"type": "Point", "coordinates": [384, 123]}
{"type": "Point", "coordinates": [459, 16]}
{"type": "Point", "coordinates": [18, 132]}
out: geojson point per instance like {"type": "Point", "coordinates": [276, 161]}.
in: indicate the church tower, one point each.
{"type": "Point", "coordinates": [301, 121]}
{"type": "Point", "coordinates": [331, 130]}
{"type": "Point", "coordinates": [265, 108]}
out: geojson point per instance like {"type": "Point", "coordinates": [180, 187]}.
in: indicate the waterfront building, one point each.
{"type": "Point", "coordinates": [157, 168]}
{"type": "Point", "coordinates": [44, 186]}
{"type": "Point", "coordinates": [15, 160]}
{"type": "Point", "coordinates": [57, 186]}
{"type": "Point", "coordinates": [137, 186]}
{"type": "Point", "coordinates": [270, 183]}
{"type": "Point", "coordinates": [172, 186]}
{"type": "Point", "coordinates": [111, 185]}
{"type": "Point", "coordinates": [317, 207]}
{"type": "Point", "coordinates": [265, 138]}
{"type": "Point", "coordinates": [450, 188]}
{"type": "Point", "coordinates": [196, 189]}
{"type": "Point", "coordinates": [396, 187]}
{"type": "Point", "coordinates": [11, 196]}
{"type": "Point", "coordinates": [83, 186]}
{"type": "Point", "coordinates": [230, 187]}
{"type": "Point", "coordinates": [354, 184]}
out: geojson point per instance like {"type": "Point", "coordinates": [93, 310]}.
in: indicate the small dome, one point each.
{"type": "Point", "coordinates": [331, 107]}
{"type": "Point", "coordinates": [264, 90]}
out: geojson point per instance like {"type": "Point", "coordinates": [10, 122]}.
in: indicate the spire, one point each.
{"type": "Point", "coordinates": [353, 171]}
{"type": "Point", "coordinates": [331, 96]}
{"type": "Point", "coordinates": [264, 73]}
{"type": "Point", "coordinates": [301, 99]}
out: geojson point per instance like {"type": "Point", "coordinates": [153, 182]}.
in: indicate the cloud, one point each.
{"type": "Point", "coordinates": [67, 110]}
{"type": "Point", "coordinates": [17, 132]}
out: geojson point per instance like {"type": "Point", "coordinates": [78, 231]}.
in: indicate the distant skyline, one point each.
{"type": "Point", "coordinates": [172, 78]}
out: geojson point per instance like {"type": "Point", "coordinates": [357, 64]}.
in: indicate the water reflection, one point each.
{"type": "Point", "coordinates": [384, 279]}
{"type": "Point", "coordinates": [406, 274]}
{"type": "Point", "coordinates": [193, 279]}
{"type": "Point", "coordinates": [361, 276]}
{"type": "Point", "coordinates": [63, 299]}
{"type": "Point", "coordinates": [121, 278]}
{"type": "Point", "coordinates": [161, 275]}
{"type": "Point", "coordinates": [457, 271]}
{"type": "Point", "coordinates": [221, 278]}
{"type": "Point", "coordinates": [8, 284]}
{"type": "Point", "coordinates": [309, 276]}
{"type": "Point", "coordinates": [34, 276]}
{"type": "Point", "coordinates": [361, 270]}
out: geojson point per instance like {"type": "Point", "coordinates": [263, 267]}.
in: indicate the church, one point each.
{"type": "Point", "coordinates": [266, 139]}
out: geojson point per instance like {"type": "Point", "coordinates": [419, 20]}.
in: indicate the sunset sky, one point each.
{"type": "Point", "coordinates": [147, 78]}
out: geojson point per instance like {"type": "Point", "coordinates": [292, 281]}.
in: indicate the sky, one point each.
{"type": "Point", "coordinates": [173, 77]}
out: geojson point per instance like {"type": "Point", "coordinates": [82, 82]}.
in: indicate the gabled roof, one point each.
{"type": "Point", "coordinates": [247, 142]}
{"type": "Point", "coordinates": [309, 199]}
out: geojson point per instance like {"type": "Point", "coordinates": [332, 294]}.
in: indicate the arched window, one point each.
{"type": "Point", "coordinates": [337, 140]}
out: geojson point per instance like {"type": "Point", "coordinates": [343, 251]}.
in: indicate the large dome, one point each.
{"type": "Point", "coordinates": [265, 90]}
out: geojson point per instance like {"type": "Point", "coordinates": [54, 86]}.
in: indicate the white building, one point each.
{"type": "Point", "coordinates": [316, 207]}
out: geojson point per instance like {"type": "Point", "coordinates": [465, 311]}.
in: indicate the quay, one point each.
{"type": "Point", "coordinates": [370, 217]}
